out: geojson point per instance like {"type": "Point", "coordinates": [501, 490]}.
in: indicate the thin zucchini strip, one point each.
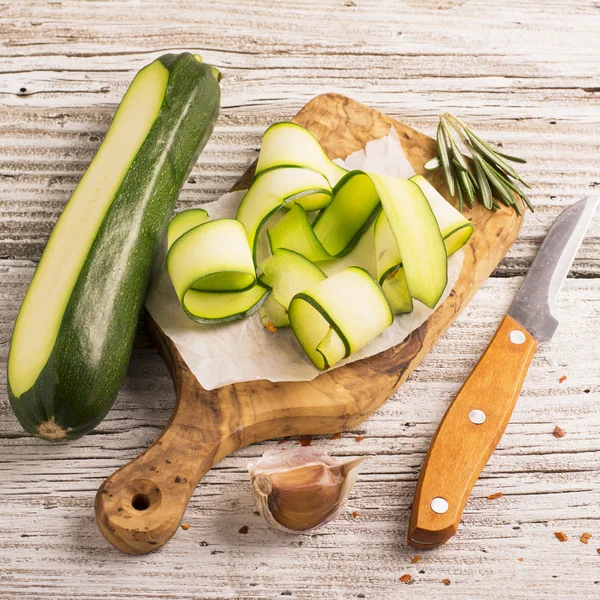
{"type": "Point", "coordinates": [211, 269]}
{"type": "Point", "coordinates": [455, 227]}
{"type": "Point", "coordinates": [418, 236]}
{"type": "Point", "coordinates": [212, 257]}
{"type": "Point", "coordinates": [345, 311]}
{"type": "Point", "coordinates": [286, 144]}
{"type": "Point", "coordinates": [295, 232]}
{"type": "Point", "coordinates": [354, 206]}
{"type": "Point", "coordinates": [214, 308]}
{"type": "Point", "coordinates": [183, 222]}
{"type": "Point", "coordinates": [273, 315]}
{"type": "Point", "coordinates": [273, 189]}
{"type": "Point", "coordinates": [396, 291]}
{"type": "Point", "coordinates": [288, 273]}
{"type": "Point", "coordinates": [386, 249]}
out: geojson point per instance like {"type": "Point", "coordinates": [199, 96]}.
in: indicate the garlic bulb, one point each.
{"type": "Point", "coordinates": [301, 489]}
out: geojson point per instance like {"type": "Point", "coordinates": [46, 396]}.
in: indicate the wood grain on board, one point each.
{"type": "Point", "coordinates": [140, 507]}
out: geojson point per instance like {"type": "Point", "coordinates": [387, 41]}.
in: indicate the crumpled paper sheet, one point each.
{"type": "Point", "coordinates": [244, 350]}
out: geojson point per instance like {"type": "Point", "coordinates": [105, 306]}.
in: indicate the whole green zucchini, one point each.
{"type": "Point", "coordinates": [75, 330]}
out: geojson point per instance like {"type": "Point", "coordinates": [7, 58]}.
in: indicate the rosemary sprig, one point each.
{"type": "Point", "coordinates": [488, 170]}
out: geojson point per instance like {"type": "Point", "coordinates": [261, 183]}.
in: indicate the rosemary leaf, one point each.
{"type": "Point", "coordinates": [464, 181]}
{"type": "Point", "coordinates": [464, 169]}
{"type": "Point", "coordinates": [505, 193]}
{"type": "Point", "coordinates": [492, 156]}
{"type": "Point", "coordinates": [514, 187]}
{"type": "Point", "coordinates": [460, 199]}
{"type": "Point", "coordinates": [511, 158]}
{"type": "Point", "coordinates": [484, 186]}
{"type": "Point", "coordinates": [444, 157]}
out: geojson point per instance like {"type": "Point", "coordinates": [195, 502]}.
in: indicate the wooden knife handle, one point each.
{"type": "Point", "coordinates": [468, 434]}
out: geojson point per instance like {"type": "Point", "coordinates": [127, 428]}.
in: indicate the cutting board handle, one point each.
{"type": "Point", "coordinates": [140, 507]}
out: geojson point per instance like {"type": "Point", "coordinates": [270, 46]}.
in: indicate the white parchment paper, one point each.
{"type": "Point", "coordinates": [245, 350]}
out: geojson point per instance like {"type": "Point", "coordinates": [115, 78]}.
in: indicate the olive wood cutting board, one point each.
{"type": "Point", "coordinates": [140, 507]}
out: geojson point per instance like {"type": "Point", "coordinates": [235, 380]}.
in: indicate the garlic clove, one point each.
{"type": "Point", "coordinates": [301, 489]}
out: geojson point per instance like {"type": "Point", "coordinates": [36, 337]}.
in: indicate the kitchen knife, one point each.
{"type": "Point", "coordinates": [478, 416]}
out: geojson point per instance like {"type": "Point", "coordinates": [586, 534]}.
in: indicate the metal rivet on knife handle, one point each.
{"type": "Point", "coordinates": [477, 417]}
{"type": "Point", "coordinates": [517, 337]}
{"type": "Point", "coordinates": [439, 505]}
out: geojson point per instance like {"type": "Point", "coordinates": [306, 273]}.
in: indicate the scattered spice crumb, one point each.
{"type": "Point", "coordinates": [336, 436]}
{"type": "Point", "coordinates": [305, 440]}
{"type": "Point", "coordinates": [585, 537]}
{"type": "Point", "coordinates": [359, 438]}
{"type": "Point", "coordinates": [521, 559]}
{"type": "Point", "coordinates": [243, 529]}
{"type": "Point", "coordinates": [558, 432]}
{"type": "Point", "coordinates": [406, 578]}
{"type": "Point", "coordinates": [562, 378]}
{"type": "Point", "coordinates": [598, 550]}
{"type": "Point", "coordinates": [446, 581]}
{"type": "Point", "coordinates": [257, 513]}
{"type": "Point", "coordinates": [560, 536]}
{"type": "Point", "coordinates": [495, 496]}
{"type": "Point", "coordinates": [185, 526]}
{"type": "Point", "coordinates": [415, 559]}
{"type": "Point", "coordinates": [357, 514]}
{"type": "Point", "coordinates": [271, 327]}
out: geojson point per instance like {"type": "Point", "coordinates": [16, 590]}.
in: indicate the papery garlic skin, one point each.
{"type": "Point", "coordinates": [299, 490]}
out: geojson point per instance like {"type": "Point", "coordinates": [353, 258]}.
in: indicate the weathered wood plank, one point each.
{"type": "Point", "coordinates": [44, 156]}
{"type": "Point", "coordinates": [548, 485]}
{"type": "Point", "coordinates": [526, 74]}
{"type": "Point", "coordinates": [539, 99]}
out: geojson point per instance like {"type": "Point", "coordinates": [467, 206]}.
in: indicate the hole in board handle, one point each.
{"type": "Point", "coordinates": [140, 502]}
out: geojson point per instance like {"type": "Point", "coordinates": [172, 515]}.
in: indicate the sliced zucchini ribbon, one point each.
{"type": "Point", "coordinates": [211, 268]}
{"type": "Point", "coordinates": [212, 264]}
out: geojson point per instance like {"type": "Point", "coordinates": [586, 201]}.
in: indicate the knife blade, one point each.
{"type": "Point", "coordinates": [478, 416]}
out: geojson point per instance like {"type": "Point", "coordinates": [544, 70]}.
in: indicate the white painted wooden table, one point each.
{"type": "Point", "coordinates": [524, 72]}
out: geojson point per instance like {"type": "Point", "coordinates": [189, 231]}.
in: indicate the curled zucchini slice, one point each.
{"type": "Point", "coordinates": [396, 291]}
{"type": "Point", "coordinates": [455, 230]}
{"type": "Point", "coordinates": [277, 187]}
{"type": "Point", "coordinates": [213, 257]}
{"type": "Point", "coordinates": [183, 222]}
{"type": "Point", "coordinates": [211, 269]}
{"type": "Point", "coordinates": [214, 308]}
{"type": "Point", "coordinates": [417, 235]}
{"type": "Point", "coordinates": [295, 232]}
{"type": "Point", "coordinates": [287, 144]}
{"type": "Point", "coordinates": [354, 206]}
{"type": "Point", "coordinates": [339, 315]}
{"type": "Point", "coordinates": [455, 227]}
{"type": "Point", "coordinates": [286, 273]}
